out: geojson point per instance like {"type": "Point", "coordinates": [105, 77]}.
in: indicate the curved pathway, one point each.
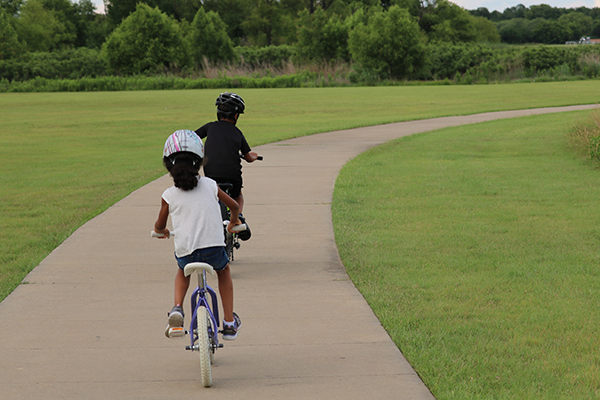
{"type": "Point", "coordinates": [89, 325]}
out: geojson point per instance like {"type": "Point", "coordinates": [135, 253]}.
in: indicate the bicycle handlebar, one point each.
{"type": "Point", "coordinates": [161, 235]}
{"type": "Point", "coordinates": [237, 228]}
{"type": "Point", "coordinates": [259, 158]}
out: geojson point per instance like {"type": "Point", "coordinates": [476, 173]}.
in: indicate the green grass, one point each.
{"type": "Point", "coordinates": [66, 157]}
{"type": "Point", "coordinates": [478, 247]}
{"type": "Point", "coordinates": [459, 306]}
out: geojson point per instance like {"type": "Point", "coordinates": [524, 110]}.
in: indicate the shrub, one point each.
{"type": "Point", "coordinates": [584, 137]}
{"type": "Point", "coordinates": [145, 41]}
{"type": "Point", "coordinates": [208, 39]}
{"type": "Point", "coordinates": [274, 56]}
{"type": "Point", "coordinates": [390, 44]}
{"type": "Point", "coordinates": [321, 38]}
{"type": "Point", "coordinates": [64, 64]}
{"type": "Point", "coordinates": [9, 42]}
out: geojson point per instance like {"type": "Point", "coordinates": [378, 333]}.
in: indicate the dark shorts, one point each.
{"type": "Point", "coordinates": [235, 191]}
{"type": "Point", "coordinates": [215, 256]}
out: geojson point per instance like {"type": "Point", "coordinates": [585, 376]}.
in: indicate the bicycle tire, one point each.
{"type": "Point", "coordinates": [204, 347]}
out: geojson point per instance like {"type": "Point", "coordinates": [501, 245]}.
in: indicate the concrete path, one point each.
{"type": "Point", "coordinates": [89, 325]}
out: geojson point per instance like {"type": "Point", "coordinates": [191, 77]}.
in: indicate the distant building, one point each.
{"type": "Point", "coordinates": [584, 40]}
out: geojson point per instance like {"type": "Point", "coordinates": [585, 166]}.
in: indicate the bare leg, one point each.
{"type": "Point", "coordinates": [182, 283]}
{"type": "Point", "coordinates": [226, 292]}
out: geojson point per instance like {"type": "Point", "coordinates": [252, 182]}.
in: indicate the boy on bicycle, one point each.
{"type": "Point", "coordinates": [193, 204]}
{"type": "Point", "coordinates": [224, 144]}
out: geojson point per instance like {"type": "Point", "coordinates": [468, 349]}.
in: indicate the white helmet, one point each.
{"type": "Point", "coordinates": [183, 140]}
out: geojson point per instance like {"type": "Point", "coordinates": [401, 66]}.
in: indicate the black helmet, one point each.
{"type": "Point", "coordinates": [229, 104]}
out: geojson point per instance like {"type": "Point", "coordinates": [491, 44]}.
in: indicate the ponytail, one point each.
{"type": "Point", "coordinates": [184, 168]}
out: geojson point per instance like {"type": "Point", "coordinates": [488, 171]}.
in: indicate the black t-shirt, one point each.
{"type": "Point", "coordinates": [224, 142]}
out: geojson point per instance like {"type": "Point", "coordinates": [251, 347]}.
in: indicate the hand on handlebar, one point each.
{"type": "Point", "coordinates": [232, 224]}
{"type": "Point", "coordinates": [251, 157]}
{"type": "Point", "coordinates": [162, 234]}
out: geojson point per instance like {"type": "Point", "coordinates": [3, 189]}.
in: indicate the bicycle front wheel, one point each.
{"type": "Point", "coordinates": [204, 347]}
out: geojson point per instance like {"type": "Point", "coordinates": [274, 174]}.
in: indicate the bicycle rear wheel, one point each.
{"type": "Point", "coordinates": [204, 347]}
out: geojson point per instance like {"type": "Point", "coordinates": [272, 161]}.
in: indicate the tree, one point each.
{"type": "Point", "coordinates": [145, 41]}
{"type": "Point", "coordinates": [11, 7]}
{"type": "Point", "coordinates": [391, 43]}
{"type": "Point", "coordinates": [64, 12]}
{"type": "Point", "coordinates": [579, 24]}
{"type": "Point", "coordinates": [9, 42]}
{"type": "Point", "coordinates": [485, 30]}
{"type": "Point", "coordinates": [208, 38]}
{"type": "Point", "coordinates": [551, 32]}
{"type": "Point", "coordinates": [181, 10]}
{"type": "Point", "coordinates": [321, 38]}
{"type": "Point", "coordinates": [118, 10]}
{"type": "Point", "coordinates": [515, 31]}
{"type": "Point", "coordinates": [39, 28]}
{"type": "Point", "coordinates": [97, 31]}
{"type": "Point", "coordinates": [544, 11]}
{"type": "Point", "coordinates": [232, 13]}
{"type": "Point", "coordinates": [517, 11]}
{"type": "Point", "coordinates": [447, 22]}
{"type": "Point", "coordinates": [266, 24]}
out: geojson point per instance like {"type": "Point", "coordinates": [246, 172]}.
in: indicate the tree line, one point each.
{"type": "Point", "coordinates": [390, 39]}
{"type": "Point", "coordinates": [543, 23]}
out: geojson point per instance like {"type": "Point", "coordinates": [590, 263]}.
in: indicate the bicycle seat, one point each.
{"type": "Point", "coordinates": [224, 185]}
{"type": "Point", "coordinates": [198, 267]}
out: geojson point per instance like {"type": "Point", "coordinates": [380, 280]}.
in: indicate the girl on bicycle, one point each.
{"type": "Point", "coordinates": [193, 203]}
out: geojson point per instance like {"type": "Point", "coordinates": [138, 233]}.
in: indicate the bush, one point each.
{"type": "Point", "coordinates": [274, 56]}
{"type": "Point", "coordinates": [64, 64]}
{"type": "Point", "coordinates": [321, 37]}
{"type": "Point", "coordinates": [584, 137]}
{"type": "Point", "coordinates": [391, 44]}
{"type": "Point", "coordinates": [9, 42]}
{"type": "Point", "coordinates": [208, 39]}
{"type": "Point", "coordinates": [146, 41]}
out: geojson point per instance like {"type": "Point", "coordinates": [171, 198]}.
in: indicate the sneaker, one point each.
{"type": "Point", "coordinates": [245, 234]}
{"type": "Point", "coordinates": [175, 319]}
{"type": "Point", "coordinates": [230, 332]}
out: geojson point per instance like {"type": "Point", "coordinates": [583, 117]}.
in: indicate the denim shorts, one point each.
{"type": "Point", "coordinates": [215, 256]}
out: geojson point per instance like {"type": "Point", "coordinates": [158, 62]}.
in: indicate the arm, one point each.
{"type": "Point", "coordinates": [160, 226]}
{"type": "Point", "coordinates": [202, 131]}
{"type": "Point", "coordinates": [234, 208]}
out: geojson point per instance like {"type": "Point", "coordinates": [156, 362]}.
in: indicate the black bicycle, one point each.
{"type": "Point", "coordinates": [231, 239]}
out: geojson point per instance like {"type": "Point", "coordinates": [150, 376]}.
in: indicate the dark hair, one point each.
{"type": "Point", "coordinates": [184, 168]}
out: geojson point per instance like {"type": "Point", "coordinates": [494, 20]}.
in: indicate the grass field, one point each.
{"type": "Point", "coordinates": [478, 247]}
{"type": "Point", "coordinates": [68, 156]}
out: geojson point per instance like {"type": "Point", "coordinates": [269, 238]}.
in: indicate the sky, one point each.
{"type": "Point", "coordinates": [492, 5]}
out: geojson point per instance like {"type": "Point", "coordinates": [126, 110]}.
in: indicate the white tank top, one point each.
{"type": "Point", "coordinates": [196, 217]}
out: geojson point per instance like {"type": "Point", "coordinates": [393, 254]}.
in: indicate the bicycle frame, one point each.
{"type": "Point", "coordinates": [199, 299]}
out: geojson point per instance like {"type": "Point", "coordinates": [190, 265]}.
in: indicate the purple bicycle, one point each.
{"type": "Point", "coordinates": [205, 320]}
{"type": "Point", "coordinates": [204, 325]}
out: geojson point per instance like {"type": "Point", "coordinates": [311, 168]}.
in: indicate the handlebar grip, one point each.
{"type": "Point", "coordinates": [161, 235]}
{"type": "Point", "coordinates": [239, 228]}
{"type": "Point", "coordinates": [259, 158]}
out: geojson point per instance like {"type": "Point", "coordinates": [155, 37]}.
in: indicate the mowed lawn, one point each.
{"type": "Point", "coordinates": [478, 247]}
{"type": "Point", "coordinates": [66, 157]}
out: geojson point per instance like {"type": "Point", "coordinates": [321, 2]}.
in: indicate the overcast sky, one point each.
{"type": "Point", "coordinates": [498, 5]}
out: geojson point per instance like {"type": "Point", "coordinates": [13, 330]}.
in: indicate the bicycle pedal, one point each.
{"type": "Point", "coordinates": [175, 333]}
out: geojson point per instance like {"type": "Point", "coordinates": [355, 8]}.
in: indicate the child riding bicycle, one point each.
{"type": "Point", "coordinates": [224, 144]}
{"type": "Point", "coordinates": [193, 204]}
